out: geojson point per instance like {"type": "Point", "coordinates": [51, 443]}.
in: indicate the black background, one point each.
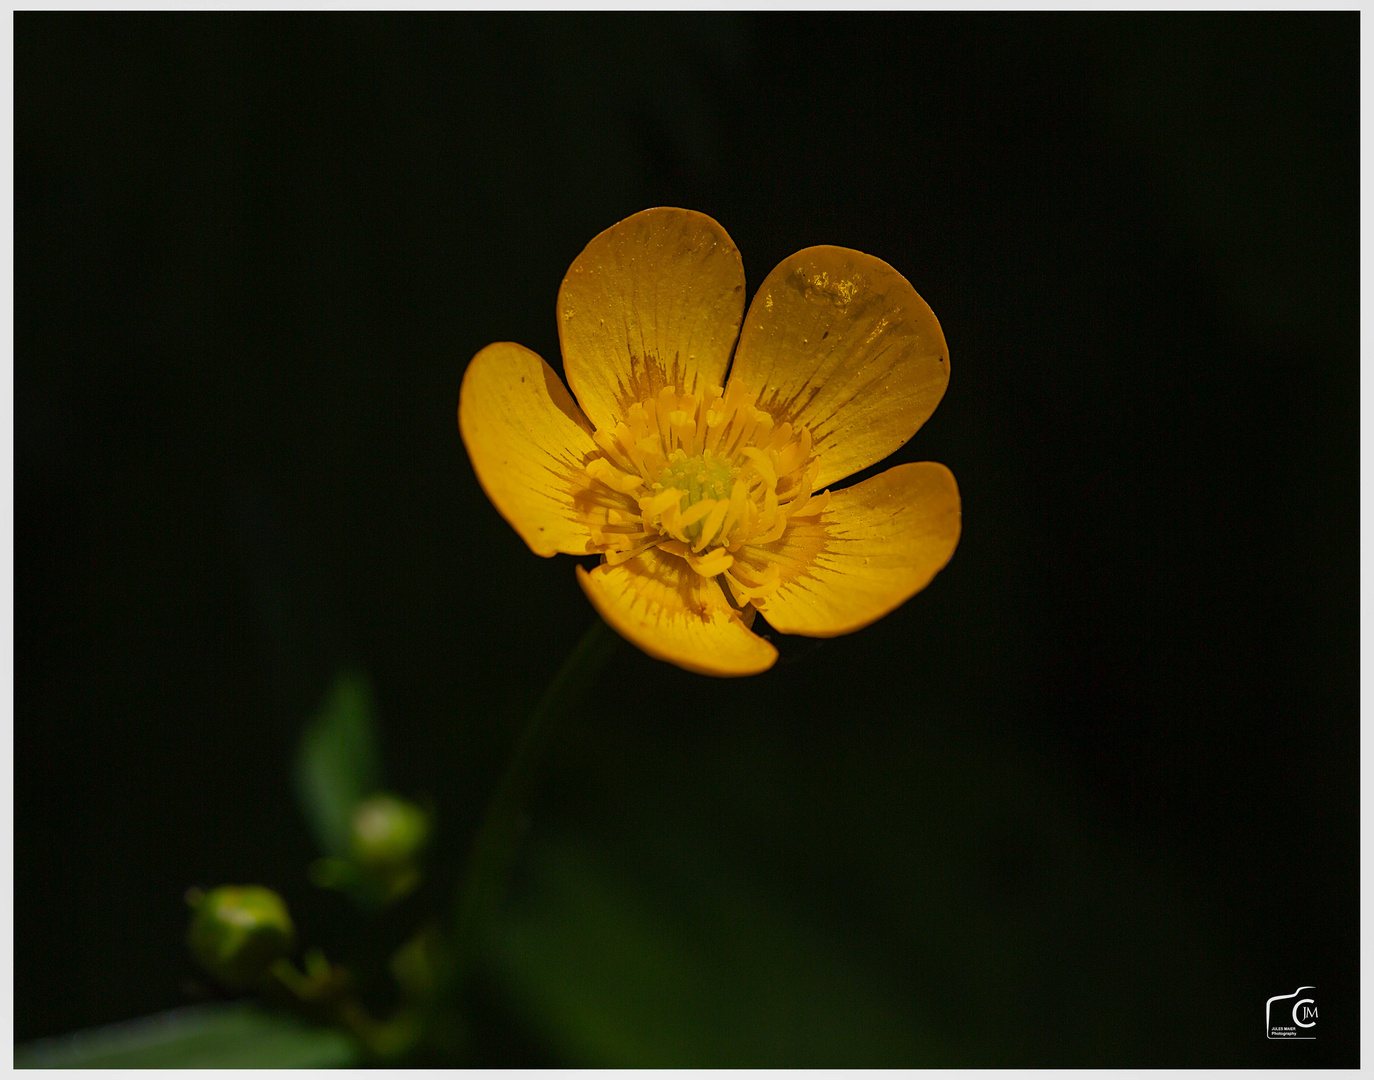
{"type": "Point", "coordinates": [254, 254]}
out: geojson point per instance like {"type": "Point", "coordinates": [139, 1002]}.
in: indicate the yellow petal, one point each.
{"type": "Point", "coordinates": [654, 301]}
{"type": "Point", "coordinates": [658, 603]}
{"type": "Point", "coordinates": [527, 442]}
{"type": "Point", "coordinates": [838, 341]}
{"type": "Point", "coordinates": [875, 545]}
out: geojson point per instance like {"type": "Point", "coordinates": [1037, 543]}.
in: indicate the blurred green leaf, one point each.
{"type": "Point", "coordinates": [238, 1036]}
{"type": "Point", "coordinates": [746, 897]}
{"type": "Point", "coordinates": [337, 765]}
{"type": "Point", "coordinates": [612, 976]}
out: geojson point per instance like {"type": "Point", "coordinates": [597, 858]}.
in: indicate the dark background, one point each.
{"type": "Point", "coordinates": [1091, 798]}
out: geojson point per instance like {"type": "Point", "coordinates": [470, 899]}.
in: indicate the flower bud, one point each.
{"type": "Point", "coordinates": [388, 834]}
{"type": "Point", "coordinates": [237, 931]}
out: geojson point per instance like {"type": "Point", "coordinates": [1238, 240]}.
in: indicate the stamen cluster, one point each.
{"type": "Point", "coordinates": [698, 478]}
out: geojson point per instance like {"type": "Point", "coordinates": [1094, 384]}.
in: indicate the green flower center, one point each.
{"type": "Point", "coordinates": [702, 476]}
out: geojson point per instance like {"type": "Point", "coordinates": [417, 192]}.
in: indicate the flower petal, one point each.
{"type": "Point", "coordinates": [671, 612]}
{"type": "Point", "coordinates": [527, 442]}
{"type": "Point", "coordinates": [653, 301]}
{"type": "Point", "coordinates": [839, 341]}
{"type": "Point", "coordinates": [874, 546]}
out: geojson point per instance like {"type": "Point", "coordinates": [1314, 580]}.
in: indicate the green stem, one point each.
{"type": "Point", "coordinates": [494, 848]}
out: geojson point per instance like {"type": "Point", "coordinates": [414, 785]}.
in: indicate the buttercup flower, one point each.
{"type": "Point", "coordinates": [706, 497]}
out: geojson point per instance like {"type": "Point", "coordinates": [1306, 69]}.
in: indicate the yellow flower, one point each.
{"type": "Point", "coordinates": [706, 497]}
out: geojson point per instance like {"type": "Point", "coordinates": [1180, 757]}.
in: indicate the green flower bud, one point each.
{"type": "Point", "coordinates": [237, 931]}
{"type": "Point", "coordinates": [388, 834]}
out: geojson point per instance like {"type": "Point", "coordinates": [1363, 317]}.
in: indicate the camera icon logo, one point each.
{"type": "Point", "coordinates": [1291, 1016]}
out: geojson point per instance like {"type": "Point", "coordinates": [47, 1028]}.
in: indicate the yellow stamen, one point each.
{"type": "Point", "coordinates": [698, 477]}
{"type": "Point", "coordinates": [615, 558]}
{"type": "Point", "coordinates": [712, 526]}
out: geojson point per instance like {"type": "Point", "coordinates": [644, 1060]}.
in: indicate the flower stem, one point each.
{"type": "Point", "coordinates": [494, 848]}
